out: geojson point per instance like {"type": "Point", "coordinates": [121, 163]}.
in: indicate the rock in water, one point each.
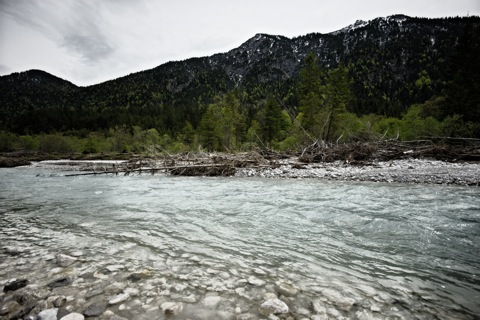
{"type": "Point", "coordinates": [273, 306]}
{"type": "Point", "coordinates": [10, 307]}
{"type": "Point", "coordinates": [49, 314]}
{"type": "Point", "coordinates": [73, 316]}
{"type": "Point", "coordinates": [172, 308]}
{"type": "Point", "coordinates": [64, 261]}
{"type": "Point", "coordinates": [118, 298]}
{"type": "Point", "coordinates": [95, 309]}
{"type": "Point", "coordinates": [15, 284]}
{"type": "Point", "coordinates": [62, 282]}
{"type": "Point", "coordinates": [287, 289]}
{"type": "Point", "coordinates": [59, 301]}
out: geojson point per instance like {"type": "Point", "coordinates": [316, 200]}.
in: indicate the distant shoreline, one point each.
{"type": "Point", "coordinates": [246, 165]}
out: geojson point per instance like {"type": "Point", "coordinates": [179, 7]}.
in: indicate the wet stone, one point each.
{"type": "Point", "coordinates": [246, 316]}
{"type": "Point", "coordinates": [95, 309]}
{"type": "Point", "coordinates": [9, 307]}
{"type": "Point", "coordinates": [255, 281]}
{"type": "Point", "coordinates": [286, 289]}
{"type": "Point", "coordinates": [15, 284]}
{"type": "Point", "coordinates": [64, 260]}
{"type": "Point", "coordinates": [73, 316]}
{"type": "Point", "coordinates": [49, 314]}
{"type": "Point", "coordinates": [172, 308]}
{"type": "Point", "coordinates": [59, 301]}
{"type": "Point", "coordinates": [118, 298]}
{"type": "Point", "coordinates": [273, 306]}
{"type": "Point", "coordinates": [61, 282]}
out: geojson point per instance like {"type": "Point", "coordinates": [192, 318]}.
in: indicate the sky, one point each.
{"type": "Point", "coordinates": [91, 41]}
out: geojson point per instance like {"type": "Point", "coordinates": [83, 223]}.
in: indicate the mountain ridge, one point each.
{"type": "Point", "coordinates": [387, 58]}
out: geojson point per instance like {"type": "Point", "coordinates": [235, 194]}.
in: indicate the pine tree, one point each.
{"type": "Point", "coordinates": [310, 91]}
{"type": "Point", "coordinates": [463, 91]}
{"type": "Point", "coordinates": [338, 97]}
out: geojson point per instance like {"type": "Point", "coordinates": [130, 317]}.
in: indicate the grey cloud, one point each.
{"type": "Point", "coordinates": [91, 47]}
{"type": "Point", "coordinates": [73, 25]}
{"type": "Point", "coordinates": [4, 69]}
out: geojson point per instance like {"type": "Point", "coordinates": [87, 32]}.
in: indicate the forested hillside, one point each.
{"type": "Point", "coordinates": [395, 77]}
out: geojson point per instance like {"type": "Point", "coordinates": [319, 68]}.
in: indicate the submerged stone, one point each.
{"type": "Point", "coordinates": [95, 309]}
{"type": "Point", "coordinates": [15, 284]}
{"type": "Point", "coordinates": [73, 316]}
{"type": "Point", "coordinates": [287, 289]}
{"type": "Point", "coordinates": [172, 308]}
{"type": "Point", "coordinates": [119, 298]}
{"type": "Point", "coordinates": [61, 282]}
{"type": "Point", "coordinates": [49, 314]}
{"type": "Point", "coordinates": [64, 260]}
{"type": "Point", "coordinates": [273, 306]}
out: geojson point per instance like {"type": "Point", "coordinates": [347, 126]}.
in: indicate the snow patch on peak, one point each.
{"type": "Point", "coordinates": [358, 24]}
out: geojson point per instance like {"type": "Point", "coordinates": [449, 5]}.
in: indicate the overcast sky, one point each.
{"type": "Point", "coordinates": [91, 41]}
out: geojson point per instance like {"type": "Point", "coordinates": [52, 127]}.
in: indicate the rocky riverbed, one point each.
{"type": "Point", "coordinates": [74, 286]}
{"type": "Point", "coordinates": [46, 273]}
{"type": "Point", "coordinates": [421, 171]}
{"type": "Point", "coordinates": [395, 171]}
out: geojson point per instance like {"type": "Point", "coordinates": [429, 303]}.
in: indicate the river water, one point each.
{"type": "Point", "coordinates": [220, 247]}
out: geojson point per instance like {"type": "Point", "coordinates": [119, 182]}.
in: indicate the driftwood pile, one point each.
{"type": "Point", "coordinates": [359, 153]}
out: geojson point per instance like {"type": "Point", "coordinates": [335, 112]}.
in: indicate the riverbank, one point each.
{"type": "Point", "coordinates": [424, 166]}
{"type": "Point", "coordinates": [415, 171]}
{"type": "Point", "coordinates": [395, 171]}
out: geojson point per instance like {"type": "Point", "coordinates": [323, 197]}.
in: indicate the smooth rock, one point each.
{"type": "Point", "coordinates": [211, 301]}
{"type": "Point", "coordinates": [9, 307]}
{"type": "Point", "coordinates": [246, 316]}
{"type": "Point", "coordinates": [115, 267]}
{"type": "Point", "coordinates": [256, 282]}
{"type": "Point", "coordinates": [59, 301]}
{"type": "Point", "coordinates": [144, 274]}
{"type": "Point", "coordinates": [287, 289]}
{"type": "Point", "coordinates": [119, 298]}
{"type": "Point", "coordinates": [49, 314]}
{"type": "Point", "coordinates": [95, 309]}
{"type": "Point", "coordinates": [15, 284]}
{"type": "Point", "coordinates": [62, 312]}
{"type": "Point", "coordinates": [61, 282]}
{"type": "Point", "coordinates": [273, 306]}
{"type": "Point", "coordinates": [171, 308]}
{"type": "Point", "coordinates": [132, 292]}
{"type": "Point", "coordinates": [64, 261]}
{"type": "Point", "coordinates": [318, 307]}
{"type": "Point", "coordinates": [73, 316]}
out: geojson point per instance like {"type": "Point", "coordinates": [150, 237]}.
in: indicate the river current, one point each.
{"type": "Point", "coordinates": [220, 247]}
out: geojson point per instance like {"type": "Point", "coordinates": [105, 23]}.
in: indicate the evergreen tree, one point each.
{"type": "Point", "coordinates": [310, 91]}
{"type": "Point", "coordinates": [338, 97]}
{"type": "Point", "coordinates": [210, 127]}
{"type": "Point", "coordinates": [272, 122]}
{"type": "Point", "coordinates": [463, 90]}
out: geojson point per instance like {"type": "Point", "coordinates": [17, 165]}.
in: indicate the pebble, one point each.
{"type": "Point", "coordinates": [273, 306]}
{"type": "Point", "coordinates": [64, 260]}
{"type": "Point", "coordinates": [287, 289]}
{"type": "Point", "coordinates": [255, 281]}
{"type": "Point", "coordinates": [15, 284]}
{"type": "Point", "coordinates": [95, 309]}
{"type": "Point", "coordinates": [171, 308]}
{"type": "Point", "coordinates": [49, 314]}
{"type": "Point", "coordinates": [118, 298]}
{"type": "Point", "coordinates": [73, 316]}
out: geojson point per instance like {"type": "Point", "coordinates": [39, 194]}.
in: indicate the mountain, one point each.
{"type": "Point", "coordinates": [394, 62]}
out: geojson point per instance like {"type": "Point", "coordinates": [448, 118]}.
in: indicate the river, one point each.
{"type": "Point", "coordinates": [220, 247]}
